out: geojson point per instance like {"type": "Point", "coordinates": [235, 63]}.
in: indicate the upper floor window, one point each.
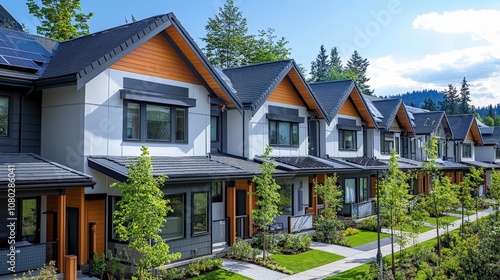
{"type": "Point", "coordinates": [386, 142]}
{"type": "Point", "coordinates": [467, 150]}
{"type": "Point", "coordinates": [214, 128]}
{"type": "Point", "coordinates": [283, 133]}
{"type": "Point", "coordinates": [155, 122]}
{"type": "Point", "coordinates": [347, 140]}
{"type": "Point", "coordinates": [497, 153]}
{"type": "Point", "coordinates": [4, 115]}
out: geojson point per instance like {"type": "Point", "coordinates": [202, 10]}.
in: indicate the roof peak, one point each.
{"type": "Point", "coordinates": [258, 64]}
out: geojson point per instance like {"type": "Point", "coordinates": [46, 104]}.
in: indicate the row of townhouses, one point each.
{"type": "Point", "coordinates": [74, 114]}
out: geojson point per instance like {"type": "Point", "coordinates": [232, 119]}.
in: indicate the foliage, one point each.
{"type": "Point", "coordinates": [350, 231]}
{"type": "Point", "coordinates": [272, 264]}
{"type": "Point", "coordinates": [60, 19]}
{"type": "Point", "coordinates": [271, 241]}
{"type": "Point", "coordinates": [141, 215]}
{"type": "Point", "coordinates": [495, 190]}
{"type": "Point", "coordinates": [358, 66]}
{"type": "Point", "coordinates": [364, 237]}
{"type": "Point", "coordinates": [268, 196]}
{"type": "Point", "coordinates": [369, 223]}
{"type": "Point", "coordinates": [332, 196]}
{"type": "Point", "coordinates": [429, 104]}
{"type": "Point", "coordinates": [450, 101]}
{"type": "Point", "coordinates": [418, 97]}
{"type": "Point", "coordinates": [241, 250]}
{"type": "Point", "coordinates": [329, 230]}
{"type": "Point", "coordinates": [464, 106]}
{"type": "Point", "coordinates": [194, 269]}
{"type": "Point", "coordinates": [394, 199]}
{"type": "Point", "coordinates": [46, 272]}
{"type": "Point", "coordinates": [265, 47]}
{"type": "Point", "coordinates": [99, 265]}
{"type": "Point", "coordinates": [474, 180]}
{"type": "Point", "coordinates": [294, 243]}
{"type": "Point", "coordinates": [306, 260]}
{"type": "Point", "coordinates": [320, 68]}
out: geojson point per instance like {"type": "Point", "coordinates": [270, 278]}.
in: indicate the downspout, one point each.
{"type": "Point", "coordinates": [21, 113]}
{"type": "Point", "coordinates": [318, 137]}
{"type": "Point", "coordinates": [243, 136]}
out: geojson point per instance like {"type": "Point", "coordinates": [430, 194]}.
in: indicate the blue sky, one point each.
{"type": "Point", "coordinates": [411, 45]}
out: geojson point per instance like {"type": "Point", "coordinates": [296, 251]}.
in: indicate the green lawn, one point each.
{"type": "Point", "coordinates": [449, 219]}
{"type": "Point", "coordinates": [364, 237]}
{"type": "Point", "coordinates": [305, 261]}
{"type": "Point", "coordinates": [466, 213]}
{"type": "Point", "coordinates": [222, 274]}
{"type": "Point", "coordinates": [420, 229]}
{"type": "Point", "coordinates": [351, 273]}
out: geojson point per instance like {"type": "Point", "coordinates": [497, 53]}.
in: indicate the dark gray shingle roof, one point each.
{"type": "Point", "coordinates": [460, 125]}
{"type": "Point", "coordinates": [492, 138]}
{"type": "Point", "coordinates": [310, 164]}
{"type": "Point", "coordinates": [34, 172]}
{"type": "Point", "coordinates": [427, 122]}
{"type": "Point", "coordinates": [389, 109]}
{"type": "Point", "coordinates": [332, 95]}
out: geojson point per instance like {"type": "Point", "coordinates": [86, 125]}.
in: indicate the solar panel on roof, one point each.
{"type": "Point", "coordinates": [19, 49]}
{"type": "Point", "coordinates": [21, 62]}
{"type": "Point", "coordinates": [375, 112]}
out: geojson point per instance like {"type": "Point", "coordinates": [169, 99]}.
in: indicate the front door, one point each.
{"type": "Point", "coordinates": [241, 214]}
{"type": "Point", "coordinates": [72, 231]}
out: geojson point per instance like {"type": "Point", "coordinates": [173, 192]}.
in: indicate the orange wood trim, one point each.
{"type": "Point", "coordinates": [373, 186]}
{"type": "Point", "coordinates": [285, 93]}
{"type": "Point", "coordinates": [348, 108]}
{"type": "Point", "coordinates": [61, 231]}
{"type": "Point", "coordinates": [231, 213]}
{"type": "Point", "coordinates": [469, 136]}
{"type": "Point", "coordinates": [96, 210]}
{"type": "Point", "coordinates": [70, 267]}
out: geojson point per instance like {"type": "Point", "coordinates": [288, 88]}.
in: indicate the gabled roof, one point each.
{"type": "Point", "coordinates": [81, 59]}
{"type": "Point", "coordinates": [255, 83]}
{"type": "Point", "coordinates": [492, 138]}
{"type": "Point", "coordinates": [390, 109]}
{"type": "Point", "coordinates": [428, 122]}
{"type": "Point", "coordinates": [333, 94]}
{"type": "Point", "coordinates": [33, 172]}
{"type": "Point", "coordinates": [461, 125]}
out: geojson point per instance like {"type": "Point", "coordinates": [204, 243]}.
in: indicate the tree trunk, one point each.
{"type": "Point", "coordinates": [437, 228]}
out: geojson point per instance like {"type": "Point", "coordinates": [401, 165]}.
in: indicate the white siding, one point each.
{"type": "Point", "coordinates": [234, 133]}
{"type": "Point", "coordinates": [332, 139]}
{"type": "Point", "coordinates": [485, 153]}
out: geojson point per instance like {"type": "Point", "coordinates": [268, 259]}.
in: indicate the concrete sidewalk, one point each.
{"type": "Point", "coordinates": [353, 257]}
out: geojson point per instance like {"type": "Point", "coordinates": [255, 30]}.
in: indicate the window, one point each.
{"type": "Point", "coordinates": [347, 140]}
{"type": "Point", "coordinates": [113, 207]}
{"type": "Point", "coordinates": [396, 144]}
{"type": "Point", "coordinates": [285, 203]}
{"type": "Point", "coordinates": [174, 228]}
{"type": "Point", "coordinates": [283, 133]}
{"type": "Point", "coordinates": [386, 142]}
{"type": "Point", "coordinates": [155, 122]}
{"type": "Point", "coordinates": [350, 190]}
{"type": "Point", "coordinates": [214, 128]}
{"type": "Point", "coordinates": [29, 220]}
{"type": "Point", "coordinates": [363, 189]}
{"type": "Point", "coordinates": [467, 150]}
{"type": "Point", "coordinates": [216, 191]}
{"type": "Point", "coordinates": [497, 153]}
{"type": "Point", "coordinates": [4, 115]}
{"type": "Point", "coordinates": [200, 213]}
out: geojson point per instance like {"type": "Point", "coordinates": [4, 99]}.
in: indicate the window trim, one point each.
{"type": "Point", "coordinates": [292, 125]}
{"type": "Point", "coordinates": [217, 138]}
{"type": "Point", "coordinates": [207, 218]}
{"type": "Point", "coordinates": [354, 188]}
{"type": "Point", "coordinates": [215, 195]}
{"type": "Point", "coordinates": [342, 137]}
{"type": "Point", "coordinates": [9, 116]}
{"type": "Point", "coordinates": [143, 123]}
{"type": "Point", "coordinates": [184, 212]}
{"type": "Point", "coordinates": [497, 153]}
{"type": "Point", "coordinates": [383, 141]}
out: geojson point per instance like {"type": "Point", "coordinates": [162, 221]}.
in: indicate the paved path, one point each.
{"type": "Point", "coordinates": [353, 257]}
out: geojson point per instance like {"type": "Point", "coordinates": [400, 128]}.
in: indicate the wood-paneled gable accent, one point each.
{"type": "Point", "coordinates": [198, 64]}
{"type": "Point", "coordinates": [285, 93]}
{"type": "Point", "coordinates": [96, 211]}
{"type": "Point", "coordinates": [304, 91]}
{"type": "Point", "coordinates": [469, 136]}
{"type": "Point", "coordinates": [157, 58]}
{"type": "Point", "coordinates": [348, 109]}
{"type": "Point", "coordinates": [474, 129]}
{"type": "Point", "coordinates": [403, 120]}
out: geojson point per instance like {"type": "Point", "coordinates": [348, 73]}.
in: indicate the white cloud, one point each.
{"type": "Point", "coordinates": [435, 71]}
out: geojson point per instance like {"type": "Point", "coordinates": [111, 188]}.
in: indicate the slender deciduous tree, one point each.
{"type": "Point", "coordinates": [267, 47]}
{"type": "Point", "coordinates": [332, 197]}
{"type": "Point", "coordinates": [60, 19]}
{"type": "Point", "coordinates": [141, 215]}
{"type": "Point", "coordinates": [474, 180]}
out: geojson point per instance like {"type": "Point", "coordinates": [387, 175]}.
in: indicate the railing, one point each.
{"type": "Point", "coordinates": [29, 257]}
{"type": "Point", "coordinates": [300, 223]}
{"type": "Point", "coordinates": [220, 231]}
{"type": "Point", "coordinates": [362, 209]}
{"type": "Point", "coordinates": [242, 226]}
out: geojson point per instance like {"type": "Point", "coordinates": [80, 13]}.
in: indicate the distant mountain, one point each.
{"type": "Point", "coordinates": [483, 111]}
{"type": "Point", "coordinates": [416, 98]}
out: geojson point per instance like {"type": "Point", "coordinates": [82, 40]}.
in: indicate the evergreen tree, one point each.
{"type": "Point", "coordinates": [358, 65]}
{"type": "Point", "coordinates": [266, 47]}
{"type": "Point", "coordinates": [450, 101]}
{"type": "Point", "coordinates": [320, 68]}
{"type": "Point", "coordinates": [491, 112]}
{"type": "Point", "coordinates": [464, 106]}
{"type": "Point", "coordinates": [429, 105]}
{"type": "Point", "coordinates": [335, 61]}
{"type": "Point", "coordinates": [60, 19]}
{"type": "Point", "coordinates": [227, 39]}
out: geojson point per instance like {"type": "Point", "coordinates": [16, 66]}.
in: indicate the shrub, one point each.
{"type": "Point", "coordinates": [98, 265]}
{"type": "Point", "coordinates": [350, 231]}
{"type": "Point", "coordinates": [349, 223]}
{"type": "Point", "coordinates": [173, 273]}
{"type": "Point", "coordinates": [370, 223]}
{"type": "Point", "coordinates": [272, 241]}
{"type": "Point", "coordinates": [294, 243]}
{"type": "Point", "coordinates": [242, 251]}
{"type": "Point", "coordinates": [330, 231]}
{"type": "Point", "coordinates": [47, 272]}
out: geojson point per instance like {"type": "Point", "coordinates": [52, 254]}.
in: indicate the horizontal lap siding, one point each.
{"type": "Point", "coordinates": [96, 210]}
{"type": "Point", "coordinates": [285, 93]}
{"type": "Point", "coordinates": [157, 58]}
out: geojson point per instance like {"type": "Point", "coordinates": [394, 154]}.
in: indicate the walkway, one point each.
{"type": "Point", "coordinates": [353, 257]}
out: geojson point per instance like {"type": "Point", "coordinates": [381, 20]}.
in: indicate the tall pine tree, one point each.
{"type": "Point", "coordinates": [357, 66]}
{"type": "Point", "coordinates": [227, 39]}
{"type": "Point", "coordinates": [464, 106]}
{"type": "Point", "coordinates": [320, 68]}
{"type": "Point", "coordinates": [450, 101]}
{"type": "Point", "coordinates": [429, 104]}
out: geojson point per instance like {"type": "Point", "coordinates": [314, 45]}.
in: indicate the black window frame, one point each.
{"type": "Point", "coordinates": [291, 134]}
{"type": "Point", "coordinates": [170, 215]}
{"type": "Point", "coordinates": [497, 153]}
{"type": "Point", "coordinates": [173, 125]}
{"type": "Point", "coordinates": [207, 217]}
{"type": "Point", "coordinates": [383, 149]}
{"type": "Point", "coordinates": [363, 189]}
{"type": "Point", "coordinates": [216, 188]}
{"type": "Point", "coordinates": [469, 154]}
{"type": "Point", "coordinates": [342, 140]}
{"type": "Point", "coordinates": [217, 127]}
{"type": "Point", "coordinates": [8, 116]}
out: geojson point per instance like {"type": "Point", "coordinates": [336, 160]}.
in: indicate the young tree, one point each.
{"type": "Point", "coordinates": [141, 215]}
{"type": "Point", "coordinates": [227, 38]}
{"type": "Point", "coordinates": [464, 198]}
{"type": "Point", "coordinates": [320, 68]}
{"type": "Point", "coordinates": [60, 19]}
{"type": "Point", "coordinates": [394, 199]}
{"type": "Point", "coordinates": [464, 106]}
{"type": "Point", "coordinates": [332, 197]}
{"type": "Point", "coordinates": [474, 180]}
{"type": "Point", "coordinates": [358, 66]}
{"type": "Point", "coordinates": [495, 190]}
{"type": "Point", "coordinates": [268, 197]}
{"type": "Point", "coordinates": [265, 47]}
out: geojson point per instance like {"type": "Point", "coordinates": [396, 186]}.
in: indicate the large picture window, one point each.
{"type": "Point", "coordinates": [347, 140]}
{"type": "Point", "coordinates": [285, 203]}
{"type": "Point", "coordinates": [283, 133]}
{"type": "Point", "coordinates": [174, 228]}
{"type": "Point", "coordinates": [467, 150]}
{"type": "Point", "coordinates": [200, 213]}
{"type": "Point", "coordinates": [4, 115]}
{"type": "Point", "coordinates": [386, 142]}
{"type": "Point", "coordinates": [350, 190]}
{"type": "Point", "coordinates": [155, 122]}
{"type": "Point", "coordinates": [363, 189]}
